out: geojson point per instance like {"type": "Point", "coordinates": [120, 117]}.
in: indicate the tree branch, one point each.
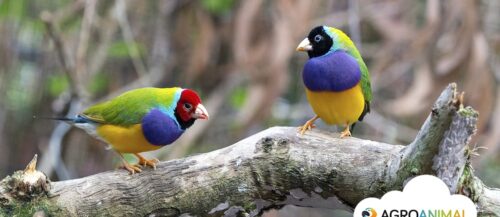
{"type": "Point", "coordinates": [271, 169]}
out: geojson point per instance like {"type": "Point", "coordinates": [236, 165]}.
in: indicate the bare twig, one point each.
{"type": "Point", "coordinates": [68, 11]}
{"type": "Point", "coordinates": [120, 12]}
{"type": "Point", "coordinates": [354, 29]}
{"type": "Point", "coordinates": [160, 55]}
{"type": "Point", "coordinates": [66, 63]}
{"type": "Point", "coordinates": [51, 159]}
{"type": "Point", "coordinates": [83, 44]}
{"type": "Point", "coordinates": [107, 28]}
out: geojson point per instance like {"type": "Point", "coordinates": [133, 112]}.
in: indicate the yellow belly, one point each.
{"type": "Point", "coordinates": [337, 108]}
{"type": "Point", "coordinates": [126, 140]}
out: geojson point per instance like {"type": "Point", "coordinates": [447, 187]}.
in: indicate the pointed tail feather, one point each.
{"type": "Point", "coordinates": [54, 118]}
{"type": "Point", "coordinates": [76, 120]}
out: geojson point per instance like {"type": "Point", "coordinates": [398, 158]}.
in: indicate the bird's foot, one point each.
{"type": "Point", "coordinates": [125, 165]}
{"type": "Point", "coordinates": [309, 125]}
{"type": "Point", "coordinates": [345, 133]}
{"type": "Point", "coordinates": [131, 168]}
{"type": "Point", "coordinates": [145, 162]}
{"type": "Point", "coordinates": [151, 163]}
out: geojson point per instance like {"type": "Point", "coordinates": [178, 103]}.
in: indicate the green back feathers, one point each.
{"type": "Point", "coordinates": [342, 41]}
{"type": "Point", "coordinates": [130, 107]}
{"type": "Point", "coordinates": [365, 81]}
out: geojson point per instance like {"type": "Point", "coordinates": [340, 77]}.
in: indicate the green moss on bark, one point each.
{"type": "Point", "coordinates": [29, 208]}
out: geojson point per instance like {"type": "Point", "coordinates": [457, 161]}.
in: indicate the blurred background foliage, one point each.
{"type": "Point", "coordinates": [59, 56]}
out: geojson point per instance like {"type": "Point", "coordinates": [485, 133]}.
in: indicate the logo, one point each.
{"type": "Point", "coordinates": [369, 212]}
{"type": "Point", "coordinates": [423, 196]}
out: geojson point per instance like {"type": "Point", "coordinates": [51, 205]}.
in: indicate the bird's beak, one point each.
{"type": "Point", "coordinates": [304, 45]}
{"type": "Point", "coordinates": [200, 113]}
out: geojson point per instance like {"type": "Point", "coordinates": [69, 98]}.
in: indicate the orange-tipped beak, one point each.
{"type": "Point", "coordinates": [304, 45]}
{"type": "Point", "coordinates": [201, 112]}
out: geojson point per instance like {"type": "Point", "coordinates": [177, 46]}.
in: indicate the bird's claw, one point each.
{"type": "Point", "coordinates": [131, 168]}
{"type": "Point", "coordinates": [151, 163]}
{"type": "Point", "coordinates": [345, 133]}
{"type": "Point", "coordinates": [307, 126]}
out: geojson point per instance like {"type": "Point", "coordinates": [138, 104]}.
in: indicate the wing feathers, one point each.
{"type": "Point", "coordinates": [129, 108]}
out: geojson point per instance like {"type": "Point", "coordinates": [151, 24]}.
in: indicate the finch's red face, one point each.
{"type": "Point", "coordinates": [189, 106]}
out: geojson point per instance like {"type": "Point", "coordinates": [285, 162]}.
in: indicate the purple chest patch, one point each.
{"type": "Point", "coordinates": [160, 129]}
{"type": "Point", "coordinates": [336, 71]}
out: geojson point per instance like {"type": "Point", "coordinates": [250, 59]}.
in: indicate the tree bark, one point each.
{"type": "Point", "coordinates": [271, 169]}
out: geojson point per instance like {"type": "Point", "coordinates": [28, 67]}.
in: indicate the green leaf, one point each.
{"type": "Point", "coordinates": [4, 8]}
{"type": "Point", "coordinates": [13, 8]}
{"type": "Point", "coordinates": [217, 7]}
{"type": "Point", "coordinates": [238, 97]}
{"type": "Point", "coordinates": [98, 83]}
{"type": "Point", "coordinates": [57, 84]}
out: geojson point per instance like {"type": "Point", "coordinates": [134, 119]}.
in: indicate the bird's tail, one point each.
{"type": "Point", "coordinates": [76, 120]}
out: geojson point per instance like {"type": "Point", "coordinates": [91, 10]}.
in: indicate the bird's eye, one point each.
{"type": "Point", "coordinates": [187, 106]}
{"type": "Point", "coordinates": [318, 38]}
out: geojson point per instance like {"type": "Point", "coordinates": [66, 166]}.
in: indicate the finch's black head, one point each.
{"type": "Point", "coordinates": [321, 42]}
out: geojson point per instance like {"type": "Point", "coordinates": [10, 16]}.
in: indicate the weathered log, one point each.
{"type": "Point", "coordinates": [271, 169]}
